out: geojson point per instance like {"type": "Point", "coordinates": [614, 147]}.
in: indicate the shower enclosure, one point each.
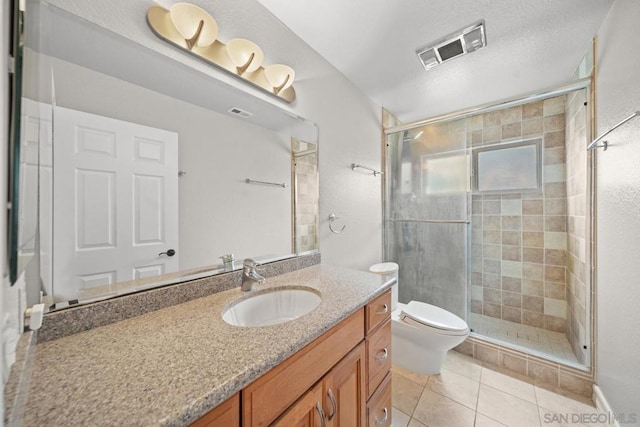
{"type": "Point", "coordinates": [486, 213]}
{"type": "Point", "coordinates": [426, 218]}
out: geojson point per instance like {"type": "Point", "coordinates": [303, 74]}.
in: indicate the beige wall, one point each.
{"type": "Point", "coordinates": [519, 239]}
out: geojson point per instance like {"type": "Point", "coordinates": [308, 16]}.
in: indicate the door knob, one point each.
{"type": "Point", "coordinates": [170, 252]}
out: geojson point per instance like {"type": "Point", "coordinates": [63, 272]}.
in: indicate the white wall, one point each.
{"type": "Point", "coordinates": [350, 132]}
{"type": "Point", "coordinates": [618, 218]}
{"type": "Point", "coordinates": [349, 121]}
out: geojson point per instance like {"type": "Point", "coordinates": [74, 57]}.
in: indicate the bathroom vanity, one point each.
{"type": "Point", "coordinates": [184, 365]}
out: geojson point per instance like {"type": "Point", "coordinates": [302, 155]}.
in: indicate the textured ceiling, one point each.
{"type": "Point", "coordinates": [532, 45]}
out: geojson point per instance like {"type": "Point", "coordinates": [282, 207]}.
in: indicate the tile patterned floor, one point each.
{"type": "Point", "coordinates": [467, 394]}
{"type": "Point", "coordinates": [551, 343]}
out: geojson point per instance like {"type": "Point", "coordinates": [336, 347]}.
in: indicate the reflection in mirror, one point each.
{"type": "Point", "coordinates": [138, 167]}
{"type": "Point", "coordinates": [305, 180]}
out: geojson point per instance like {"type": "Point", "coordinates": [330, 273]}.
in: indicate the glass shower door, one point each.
{"type": "Point", "coordinates": [426, 215]}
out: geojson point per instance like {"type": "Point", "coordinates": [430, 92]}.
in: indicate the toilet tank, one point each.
{"type": "Point", "coordinates": [389, 270]}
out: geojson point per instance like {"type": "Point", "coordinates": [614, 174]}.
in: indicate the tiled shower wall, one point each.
{"type": "Point", "coordinates": [519, 239]}
{"type": "Point", "coordinates": [306, 176]}
{"type": "Point", "coordinates": [577, 215]}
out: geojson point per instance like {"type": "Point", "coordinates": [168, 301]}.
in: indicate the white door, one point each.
{"type": "Point", "coordinates": [115, 203]}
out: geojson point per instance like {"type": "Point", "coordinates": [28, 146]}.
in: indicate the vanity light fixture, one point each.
{"type": "Point", "coordinates": [245, 54]}
{"type": "Point", "coordinates": [194, 24]}
{"type": "Point", "coordinates": [194, 30]}
{"type": "Point", "coordinates": [280, 76]}
{"type": "Point", "coordinates": [466, 40]}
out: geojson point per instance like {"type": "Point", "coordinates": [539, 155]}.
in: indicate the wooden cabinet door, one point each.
{"type": "Point", "coordinates": [306, 412]}
{"type": "Point", "coordinates": [344, 391]}
{"type": "Point", "coordinates": [227, 414]}
{"type": "Point", "coordinates": [269, 396]}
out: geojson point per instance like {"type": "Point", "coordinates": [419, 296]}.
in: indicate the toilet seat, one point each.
{"type": "Point", "coordinates": [424, 315]}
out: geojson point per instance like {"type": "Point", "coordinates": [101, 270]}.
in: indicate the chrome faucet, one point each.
{"type": "Point", "coordinates": [250, 275]}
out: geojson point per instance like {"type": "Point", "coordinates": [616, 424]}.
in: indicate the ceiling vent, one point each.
{"type": "Point", "coordinates": [467, 40]}
{"type": "Point", "coordinates": [239, 112]}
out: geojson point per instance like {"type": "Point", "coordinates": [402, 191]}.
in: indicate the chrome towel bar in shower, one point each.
{"type": "Point", "coordinates": [355, 166]}
{"type": "Point", "coordinates": [605, 144]}
{"type": "Point", "coordinates": [275, 184]}
{"type": "Point", "coordinates": [432, 221]}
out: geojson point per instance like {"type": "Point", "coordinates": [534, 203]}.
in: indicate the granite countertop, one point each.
{"type": "Point", "coordinates": [171, 366]}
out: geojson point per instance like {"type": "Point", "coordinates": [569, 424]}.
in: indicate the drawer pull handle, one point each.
{"type": "Point", "coordinates": [384, 420]}
{"type": "Point", "coordinates": [384, 354]}
{"type": "Point", "coordinates": [321, 413]}
{"type": "Point", "coordinates": [385, 309]}
{"type": "Point", "coordinates": [334, 405]}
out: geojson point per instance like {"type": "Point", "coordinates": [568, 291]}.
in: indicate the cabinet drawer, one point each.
{"type": "Point", "coordinates": [267, 397]}
{"type": "Point", "coordinates": [378, 356]}
{"type": "Point", "coordinates": [378, 310]}
{"type": "Point", "coordinates": [379, 406]}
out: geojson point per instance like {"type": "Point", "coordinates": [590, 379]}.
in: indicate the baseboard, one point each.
{"type": "Point", "coordinates": [602, 404]}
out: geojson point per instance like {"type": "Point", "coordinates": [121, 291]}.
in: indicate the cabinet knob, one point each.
{"type": "Point", "coordinates": [383, 355]}
{"type": "Point", "coordinates": [385, 309]}
{"type": "Point", "coordinates": [384, 420]}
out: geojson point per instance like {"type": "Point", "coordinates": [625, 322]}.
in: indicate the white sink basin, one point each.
{"type": "Point", "coordinates": [271, 308]}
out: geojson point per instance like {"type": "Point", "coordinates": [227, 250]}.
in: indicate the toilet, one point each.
{"type": "Point", "coordinates": [421, 333]}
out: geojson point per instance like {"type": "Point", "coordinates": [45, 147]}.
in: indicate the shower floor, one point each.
{"type": "Point", "coordinates": [551, 343]}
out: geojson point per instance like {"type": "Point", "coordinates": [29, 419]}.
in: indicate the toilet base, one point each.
{"type": "Point", "coordinates": [415, 358]}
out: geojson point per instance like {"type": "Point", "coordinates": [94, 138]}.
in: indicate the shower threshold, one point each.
{"type": "Point", "coordinates": [550, 345]}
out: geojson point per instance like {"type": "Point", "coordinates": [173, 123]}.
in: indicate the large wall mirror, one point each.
{"type": "Point", "coordinates": [138, 171]}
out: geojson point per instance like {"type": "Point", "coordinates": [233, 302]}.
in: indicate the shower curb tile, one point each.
{"type": "Point", "coordinates": [543, 373]}
{"type": "Point", "coordinates": [575, 384]}
{"type": "Point", "coordinates": [466, 348]}
{"type": "Point", "coordinates": [487, 353]}
{"type": "Point", "coordinates": [514, 364]}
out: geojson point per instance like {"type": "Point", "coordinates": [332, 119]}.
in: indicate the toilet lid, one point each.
{"type": "Point", "coordinates": [384, 268]}
{"type": "Point", "coordinates": [430, 315]}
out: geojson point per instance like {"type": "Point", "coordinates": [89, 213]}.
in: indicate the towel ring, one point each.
{"type": "Point", "coordinates": [332, 218]}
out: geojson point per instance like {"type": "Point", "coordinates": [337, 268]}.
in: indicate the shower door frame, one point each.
{"type": "Point", "coordinates": [564, 89]}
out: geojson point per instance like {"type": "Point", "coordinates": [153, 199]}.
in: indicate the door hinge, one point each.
{"type": "Point", "coordinates": [11, 64]}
